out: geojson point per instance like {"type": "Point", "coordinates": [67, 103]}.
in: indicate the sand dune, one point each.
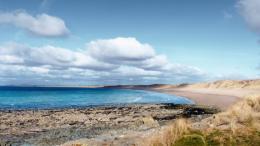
{"type": "Point", "coordinates": [222, 84]}
{"type": "Point", "coordinates": [228, 84]}
{"type": "Point", "coordinates": [221, 94]}
{"type": "Point", "coordinates": [238, 88]}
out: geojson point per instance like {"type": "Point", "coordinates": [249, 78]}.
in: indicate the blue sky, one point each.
{"type": "Point", "coordinates": [216, 39]}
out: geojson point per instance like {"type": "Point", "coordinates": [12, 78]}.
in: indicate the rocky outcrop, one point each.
{"type": "Point", "coordinates": [52, 127]}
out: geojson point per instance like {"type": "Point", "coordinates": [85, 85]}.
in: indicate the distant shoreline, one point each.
{"type": "Point", "coordinates": [85, 107]}
{"type": "Point", "coordinates": [221, 94]}
{"type": "Point", "coordinates": [110, 122]}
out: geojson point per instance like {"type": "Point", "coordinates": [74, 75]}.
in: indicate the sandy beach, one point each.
{"type": "Point", "coordinates": [220, 94]}
{"type": "Point", "coordinates": [221, 97]}
{"type": "Point", "coordinates": [209, 99]}
{"type": "Point", "coordinates": [116, 124]}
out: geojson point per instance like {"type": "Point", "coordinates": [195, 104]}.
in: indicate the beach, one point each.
{"type": "Point", "coordinates": [220, 94]}
{"type": "Point", "coordinates": [121, 124]}
{"type": "Point", "coordinates": [57, 126]}
{"type": "Point", "coordinates": [222, 98]}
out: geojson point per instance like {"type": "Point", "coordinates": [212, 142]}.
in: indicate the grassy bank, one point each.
{"type": "Point", "coordinates": [220, 138]}
{"type": "Point", "coordinates": [238, 126]}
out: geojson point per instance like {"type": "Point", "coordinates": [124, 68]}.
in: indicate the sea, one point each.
{"type": "Point", "coordinates": [21, 98]}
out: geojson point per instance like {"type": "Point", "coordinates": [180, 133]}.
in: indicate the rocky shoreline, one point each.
{"type": "Point", "coordinates": [57, 126]}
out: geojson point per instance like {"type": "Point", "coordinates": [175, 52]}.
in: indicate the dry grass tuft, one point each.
{"type": "Point", "coordinates": [167, 135]}
{"type": "Point", "coordinates": [245, 113]}
{"type": "Point", "coordinates": [236, 124]}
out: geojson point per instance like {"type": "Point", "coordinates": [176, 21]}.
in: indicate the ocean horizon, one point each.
{"type": "Point", "coordinates": [20, 98]}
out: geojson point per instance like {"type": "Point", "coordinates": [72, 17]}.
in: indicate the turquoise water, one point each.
{"type": "Point", "coordinates": [50, 97]}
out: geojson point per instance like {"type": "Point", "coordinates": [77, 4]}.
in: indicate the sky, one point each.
{"type": "Point", "coordinates": [101, 42]}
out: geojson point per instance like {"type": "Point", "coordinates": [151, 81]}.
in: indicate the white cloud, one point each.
{"type": "Point", "coordinates": [158, 62]}
{"type": "Point", "coordinates": [9, 59]}
{"type": "Point", "coordinates": [42, 24]}
{"type": "Point", "coordinates": [112, 61]}
{"type": "Point", "coordinates": [250, 10]}
{"type": "Point", "coordinates": [124, 49]}
{"type": "Point", "coordinates": [134, 71]}
{"type": "Point", "coordinates": [41, 70]}
{"type": "Point", "coordinates": [127, 51]}
{"type": "Point", "coordinates": [49, 55]}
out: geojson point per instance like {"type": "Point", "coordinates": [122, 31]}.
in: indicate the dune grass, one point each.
{"type": "Point", "coordinates": [191, 140]}
{"type": "Point", "coordinates": [244, 114]}
{"type": "Point", "coordinates": [219, 138]}
{"type": "Point", "coordinates": [167, 135]}
{"type": "Point", "coordinates": [238, 126]}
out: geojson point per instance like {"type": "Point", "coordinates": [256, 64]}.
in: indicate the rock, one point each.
{"type": "Point", "coordinates": [149, 122]}
{"type": "Point", "coordinates": [54, 127]}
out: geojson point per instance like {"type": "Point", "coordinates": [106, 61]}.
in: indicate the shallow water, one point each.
{"type": "Point", "coordinates": [59, 97]}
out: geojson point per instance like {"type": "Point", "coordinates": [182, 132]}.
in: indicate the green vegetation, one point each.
{"type": "Point", "coordinates": [191, 140]}
{"type": "Point", "coordinates": [220, 138]}
{"type": "Point", "coordinates": [237, 126]}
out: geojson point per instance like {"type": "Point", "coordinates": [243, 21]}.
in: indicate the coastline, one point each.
{"type": "Point", "coordinates": [57, 126]}
{"type": "Point", "coordinates": [221, 98]}
{"type": "Point", "coordinates": [116, 124]}
{"type": "Point", "coordinates": [222, 102]}
{"type": "Point", "coordinates": [217, 97]}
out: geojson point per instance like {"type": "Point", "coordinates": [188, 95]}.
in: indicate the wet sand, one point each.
{"type": "Point", "coordinates": [219, 98]}
{"type": "Point", "coordinates": [208, 99]}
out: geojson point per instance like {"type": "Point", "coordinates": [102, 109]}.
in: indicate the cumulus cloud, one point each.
{"type": "Point", "coordinates": [158, 62]}
{"type": "Point", "coordinates": [9, 59]}
{"type": "Point", "coordinates": [127, 51]}
{"type": "Point", "coordinates": [49, 55]}
{"type": "Point", "coordinates": [250, 10]}
{"type": "Point", "coordinates": [124, 49]}
{"type": "Point", "coordinates": [135, 71]}
{"type": "Point", "coordinates": [111, 61]}
{"type": "Point", "coordinates": [42, 24]}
